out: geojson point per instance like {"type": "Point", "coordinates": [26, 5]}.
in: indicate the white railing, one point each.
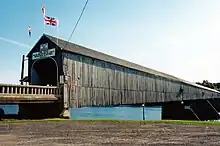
{"type": "Point", "coordinates": [29, 89]}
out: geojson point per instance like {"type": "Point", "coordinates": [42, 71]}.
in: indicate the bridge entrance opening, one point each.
{"type": "Point", "coordinates": [44, 72]}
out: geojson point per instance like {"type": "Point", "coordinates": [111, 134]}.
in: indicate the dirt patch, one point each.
{"type": "Point", "coordinates": [106, 133]}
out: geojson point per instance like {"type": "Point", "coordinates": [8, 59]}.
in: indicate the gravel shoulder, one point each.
{"type": "Point", "coordinates": [106, 133]}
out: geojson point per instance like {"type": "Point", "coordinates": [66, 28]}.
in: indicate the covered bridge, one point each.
{"type": "Point", "coordinates": [92, 78]}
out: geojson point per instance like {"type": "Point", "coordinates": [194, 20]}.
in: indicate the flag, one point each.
{"type": "Point", "coordinates": [43, 10]}
{"type": "Point", "coordinates": [50, 21]}
{"type": "Point", "coordinates": [29, 31]}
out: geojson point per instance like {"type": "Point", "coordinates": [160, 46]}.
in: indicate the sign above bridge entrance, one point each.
{"type": "Point", "coordinates": [44, 52]}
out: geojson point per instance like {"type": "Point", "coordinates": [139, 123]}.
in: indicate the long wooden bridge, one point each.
{"type": "Point", "coordinates": [84, 77]}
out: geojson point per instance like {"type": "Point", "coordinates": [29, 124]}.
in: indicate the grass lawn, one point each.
{"type": "Point", "coordinates": [118, 121]}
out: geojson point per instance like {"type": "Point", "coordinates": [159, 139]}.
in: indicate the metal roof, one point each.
{"type": "Point", "coordinates": [71, 47]}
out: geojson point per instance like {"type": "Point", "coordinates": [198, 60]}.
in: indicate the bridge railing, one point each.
{"type": "Point", "coordinates": [29, 89]}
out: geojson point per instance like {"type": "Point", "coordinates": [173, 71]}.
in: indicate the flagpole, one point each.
{"type": "Point", "coordinates": [57, 29]}
{"type": "Point", "coordinates": [29, 43]}
{"type": "Point", "coordinates": [44, 24]}
{"type": "Point", "coordinates": [29, 31]}
{"type": "Point", "coordinates": [44, 13]}
{"type": "Point", "coordinates": [57, 34]}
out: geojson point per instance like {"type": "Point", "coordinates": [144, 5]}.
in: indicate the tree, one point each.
{"type": "Point", "coordinates": [208, 84]}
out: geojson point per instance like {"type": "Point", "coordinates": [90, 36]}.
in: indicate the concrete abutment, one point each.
{"type": "Point", "coordinates": [42, 110]}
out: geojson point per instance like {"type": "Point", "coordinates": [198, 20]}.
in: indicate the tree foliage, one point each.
{"type": "Point", "coordinates": [208, 84]}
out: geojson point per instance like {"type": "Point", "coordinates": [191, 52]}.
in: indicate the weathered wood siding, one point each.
{"type": "Point", "coordinates": [95, 82]}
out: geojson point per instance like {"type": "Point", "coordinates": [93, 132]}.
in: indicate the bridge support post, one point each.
{"type": "Point", "coordinates": [65, 101]}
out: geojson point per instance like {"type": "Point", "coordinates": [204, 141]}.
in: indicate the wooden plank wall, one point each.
{"type": "Point", "coordinates": [98, 83]}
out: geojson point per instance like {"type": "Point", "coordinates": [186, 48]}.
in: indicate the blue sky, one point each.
{"type": "Point", "coordinates": [178, 37]}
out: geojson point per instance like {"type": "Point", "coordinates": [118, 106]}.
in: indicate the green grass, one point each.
{"type": "Point", "coordinates": [153, 121]}
{"type": "Point", "coordinates": [117, 121]}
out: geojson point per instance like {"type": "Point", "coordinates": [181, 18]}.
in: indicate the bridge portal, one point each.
{"type": "Point", "coordinates": [44, 72]}
{"type": "Point", "coordinates": [45, 69]}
